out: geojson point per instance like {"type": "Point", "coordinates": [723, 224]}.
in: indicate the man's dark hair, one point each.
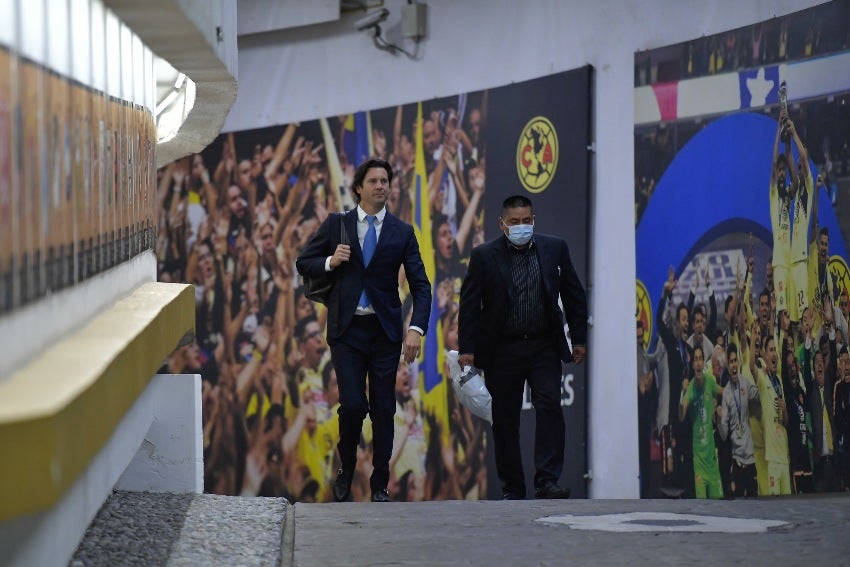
{"type": "Point", "coordinates": [301, 326]}
{"type": "Point", "coordinates": [730, 349]}
{"type": "Point", "coordinates": [765, 293]}
{"type": "Point", "coordinates": [360, 175]}
{"type": "Point", "coordinates": [697, 347]}
{"type": "Point", "coordinates": [824, 231]}
{"type": "Point", "coordinates": [516, 202]}
{"type": "Point", "coordinates": [679, 311]}
{"type": "Point", "coordinates": [437, 220]}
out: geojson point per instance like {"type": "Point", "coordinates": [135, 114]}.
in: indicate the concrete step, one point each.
{"type": "Point", "coordinates": [146, 528]}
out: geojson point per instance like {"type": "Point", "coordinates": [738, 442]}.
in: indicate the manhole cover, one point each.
{"type": "Point", "coordinates": [662, 521]}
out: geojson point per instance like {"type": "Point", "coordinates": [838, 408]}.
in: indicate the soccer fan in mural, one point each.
{"type": "Point", "coordinates": [781, 200]}
{"type": "Point", "coordinates": [734, 424]}
{"type": "Point", "coordinates": [699, 404]}
{"type": "Point", "coordinates": [802, 193]}
{"type": "Point", "coordinates": [675, 438]}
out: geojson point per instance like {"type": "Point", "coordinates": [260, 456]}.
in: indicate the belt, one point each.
{"type": "Point", "coordinates": [526, 336]}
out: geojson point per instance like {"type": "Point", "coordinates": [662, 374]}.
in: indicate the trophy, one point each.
{"type": "Point", "coordinates": [783, 106]}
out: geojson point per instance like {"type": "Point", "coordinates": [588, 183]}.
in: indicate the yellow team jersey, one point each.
{"type": "Point", "coordinates": [315, 452]}
{"type": "Point", "coordinates": [775, 436]}
{"type": "Point", "coordinates": [412, 455]}
{"type": "Point", "coordinates": [802, 215]}
{"type": "Point", "coordinates": [816, 286]}
{"type": "Point", "coordinates": [780, 220]}
{"type": "Point", "coordinates": [799, 293]}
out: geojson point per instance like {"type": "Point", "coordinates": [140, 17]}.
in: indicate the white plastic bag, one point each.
{"type": "Point", "coordinates": [468, 384]}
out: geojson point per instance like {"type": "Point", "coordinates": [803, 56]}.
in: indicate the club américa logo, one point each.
{"type": "Point", "coordinates": [537, 154]}
{"type": "Point", "coordinates": [644, 312]}
{"type": "Point", "coordinates": [839, 269]}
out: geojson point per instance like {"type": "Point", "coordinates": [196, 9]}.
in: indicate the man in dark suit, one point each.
{"type": "Point", "coordinates": [365, 328]}
{"type": "Point", "coordinates": [819, 375]}
{"type": "Point", "coordinates": [678, 436]}
{"type": "Point", "coordinates": [510, 325]}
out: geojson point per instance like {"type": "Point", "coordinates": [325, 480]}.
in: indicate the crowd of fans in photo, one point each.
{"type": "Point", "coordinates": [232, 224]}
{"type": "Point", "coordinates": [817, 31]}
{"type": "Point", "coordinates": [753, 400]}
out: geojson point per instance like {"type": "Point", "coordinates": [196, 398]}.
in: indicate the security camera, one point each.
{"type": "Point", "coordinates": [372, 19]}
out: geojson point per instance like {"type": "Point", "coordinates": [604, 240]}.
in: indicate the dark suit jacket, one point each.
{"type": "Point", "coordinates": [397, 246]}
{"type": "Point", "coordinates": [488, 287]}
{"type": "Point", "coordinates": [815, 405]}
{"type": "Point", "coordinates": [679, 368]}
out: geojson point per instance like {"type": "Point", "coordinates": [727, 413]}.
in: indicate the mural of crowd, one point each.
{"type": "Point", "coordinates": [232, 220]}
{"type": "Point", "coordinates": [744, 383]}
{"type": "Point", "coordinates": [809, 33]}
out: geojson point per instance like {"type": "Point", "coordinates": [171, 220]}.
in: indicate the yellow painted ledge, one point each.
{"type": "Point", "coordinates": [58, 411]}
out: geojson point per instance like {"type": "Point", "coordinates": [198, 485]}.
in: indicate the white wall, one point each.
{"type": "Point", "coordinates": [330, 69]}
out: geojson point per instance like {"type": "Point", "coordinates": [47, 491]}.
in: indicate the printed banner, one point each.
{"type": "Point", "coordinates": [233, 219]}
{"type": "Point", "coordinates": [742, 170]}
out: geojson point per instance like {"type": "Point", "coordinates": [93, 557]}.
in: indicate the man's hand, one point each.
{"type": "Point", "coordinates": [262, 337]}
{"type": "Point", "coordinates": [412, 343]}
{"type": "Point", "coordinates": [789, 124]}
{"type": "Point", "coordinates": [465, 360]}
{"type": "Point", "coordinates": [670, 284]}
{"type": "Point", "coordinates": [341, 254]}
{"type": "Point", "coordinates": [579, 352]}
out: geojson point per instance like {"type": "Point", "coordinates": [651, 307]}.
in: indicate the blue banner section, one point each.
{"type": "Point", "coordinates": [355, 138]}
{"type": "Point", "coordinates": [759, 86]}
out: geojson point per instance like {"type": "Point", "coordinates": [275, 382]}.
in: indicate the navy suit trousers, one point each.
{"type": "Point", "coordinates": [366, 349]}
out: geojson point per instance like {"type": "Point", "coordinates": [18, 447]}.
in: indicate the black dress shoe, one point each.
{"type": "Point", "coordinates": [552, 491]}
{"type": "Point", "coordinates": [342, 485]}
{"type": "Point", "coordinates": [380, 495]}
{"type": "Point", "coordinates": [511, 496]}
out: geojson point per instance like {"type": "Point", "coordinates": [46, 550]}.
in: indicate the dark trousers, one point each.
{"type": "Point", "coordinates": [724, 461]}
{"type": "Point", "coordinates": [537, 362]}
{"type": "Point", "coordinates": [826, 475]}
{"type": "Point", "coordinates": [366, 349]}
{"type": "Point", "coordinates": [744, 479]}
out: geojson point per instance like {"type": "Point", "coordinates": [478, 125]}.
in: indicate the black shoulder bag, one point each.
{"type": "Point", "coordinates": [319, 288]}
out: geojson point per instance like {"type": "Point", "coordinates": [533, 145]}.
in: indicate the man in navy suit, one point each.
{"type": "Point", "coordinates": [365, 328]}
{"type": "Point", "coordinates": [510, 325]}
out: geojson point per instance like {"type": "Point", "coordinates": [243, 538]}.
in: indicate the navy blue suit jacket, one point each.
{"type": "Point", "coordinates": [397, 246]}
{"type": "Point", "coordinates": [488, 287]}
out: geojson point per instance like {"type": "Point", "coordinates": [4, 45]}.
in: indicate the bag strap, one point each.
{"type": "Point", "coordinates": [343, 235]}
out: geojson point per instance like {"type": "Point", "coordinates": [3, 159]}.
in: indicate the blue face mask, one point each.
{"type": "Point", "coordinates": [520, 234]}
